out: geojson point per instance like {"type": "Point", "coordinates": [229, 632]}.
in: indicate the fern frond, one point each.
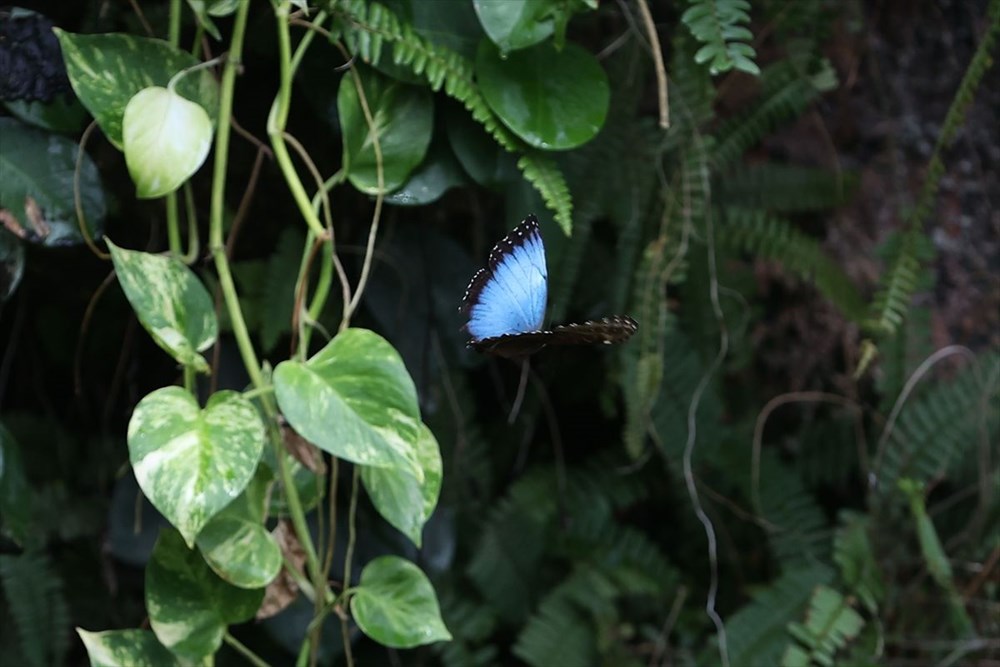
{"type": "Point", "coordinates": [471, 623]}
{"type": "Point", "coordinates": [719, 25]}
{"type": "Point", "coordinates": [34, 595]}
{"type": "Point", "coordinates": [853, 553]}
{"type": "Point", "coordinates": [901, 354]}
{"type": "Point", "coordinates": [892, 299]}
{"type": "Point", "coordinates": [772, 238]}
{"type": "Point", "coordinates": [942, 425]}
{"type": "Point", "coordinates": [786, 92]}
{"type": "Point", "coordinates": [364, 28]}
{"type": "Point", "coordinates": [682, 371]}
{"type": "Point", "coordinates": [757, 632]}
{"type": "Point", "coordinates": [783, 188]}
{"type": "Point", "coordinates": [543, 173]}
{"type": "Point", "coordinates": [664, 261]}
{"type": "Point", "coordinates": [830, 624]}
{"type": "Point", "coordinates": [692, 94]}
{"type": "Point", "coordinates": [798, 534]}
{"type": "Point", "coordinates": [560, 632]}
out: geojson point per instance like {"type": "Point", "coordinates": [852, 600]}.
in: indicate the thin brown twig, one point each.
{"type": "Point", "coordinates": [81, 220]}
{"type": "Point", "coordinates": [758, 429]}
{"type": "Point", "coordinates": [661, 72]}
{"type": "Point", "coordinates": [142, 17]}
{"type": "Point", "coordinates": [84, 326]}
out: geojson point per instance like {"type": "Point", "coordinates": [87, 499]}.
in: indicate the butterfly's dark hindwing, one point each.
{"type": "Point", "coordinates": [608, 330]}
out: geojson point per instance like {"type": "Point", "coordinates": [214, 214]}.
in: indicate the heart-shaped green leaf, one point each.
{"type": "Point", "coordinates": [189, 462]}
{"type": "Point", "coordinates": [355, 400]}
{"type": "Point", "coordinates": [125, 648]}
{"type": "Point", "coordinates": [516, 24]}
{"type": "Point", "coordinates": [170, 301]}
{"type": "Point", "coordinates": [36, 186]}
{"type": "Point", "coordinates": [395, 604]}
{"type": "Point", "coordinates": [403, 118]}
{"type": "Point", "coordinates": [399, 497]}
{"type": "Point", "coordinates": [553, 99]}
{"type": "Point", "coordinates": [189, 606]}
{"type": "Point", "coordinates": [439, 172]}
{"type": "Point", "coordinates": [106, 71]}
{"type": "Point", "coordinates": [235, 543]}
{"type": "Point", "coordinates": [166, 139]}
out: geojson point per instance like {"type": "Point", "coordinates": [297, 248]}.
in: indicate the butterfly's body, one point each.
{"type": "Point", "coordinates": [505, 302]}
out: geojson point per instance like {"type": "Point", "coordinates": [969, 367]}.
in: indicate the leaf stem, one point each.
{"type": "Point", "coordinates": [278, 117]}
{"type": "Point", "coordinates": [173, 230]}
{"type": "Point", "coordinates": [228, 287]}
{"type": "Point", "coordinates": [243, 650]}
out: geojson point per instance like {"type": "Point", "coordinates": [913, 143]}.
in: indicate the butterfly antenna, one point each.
{"type": "Point", "coordinates": [521, 389]}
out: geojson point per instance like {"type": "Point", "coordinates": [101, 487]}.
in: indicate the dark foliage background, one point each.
{"type": "Point", "coordinates": [570, 537]}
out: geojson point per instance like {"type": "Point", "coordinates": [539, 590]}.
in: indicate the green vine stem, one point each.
{"type": "Point", "coordinates": [173, 226]}
{"type": "Point", "coordinates": [278, 117]}
{"type": "Point", "coordinates": [228, 287]}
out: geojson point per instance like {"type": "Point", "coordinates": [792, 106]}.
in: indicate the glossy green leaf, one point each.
{"type": "Point", "coordinates": [395, 605]}
{"type": "Point", "coordinates": [165, 138]}
{"type": "Point", "coordinates": [106, 71]}
{"type": "Point", "coordinates": [403, 119]}
{"type": "Point", "coordinates": [240, 551]}
{"type": "Point", "coordinates": [201, 14]}
{"type": "Point", "coordinates": [483, 160]}
{"type": "Point", "coordinates": [438, 173]}
{"type": "Point", "coordinates": [355, 400]}
{"type": "Point", "coordinates": [11, 264]}
{"type": "Point", "coordinates": [126, 648]}
{"type": "Point", "coordinates": [399, 497]}
{"type": "Point", "coordinates": [453, 25]}
{"type": "Point", "coordinates": [190, 462]}
{"type": "Point", "coordinates": [63, 114]}
{"type": "Point", "coordinates": [516, 24]}
{"type": "Point", "coordinates": [552, 99]}
{"type": "Point", "coordinates": [37, 186]}
{"type": "Point", "coordinates": [189, 606]}
{"type": "Point", "coordinates": [170, 301]}
{"type": "Point", "coordinates": [237, 545]}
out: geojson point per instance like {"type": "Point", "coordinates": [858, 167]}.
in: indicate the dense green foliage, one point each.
{"type": "Point", "coordinates": [269, 445]}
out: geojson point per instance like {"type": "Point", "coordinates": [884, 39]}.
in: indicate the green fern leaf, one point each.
{"type": "Point", "coordinates": [720, 26]}
{"type": "Point", "coordinates": [786, 92]}
{"type": "Point", "coordinates": [942, 425]}
{"type": "Point", "coordinates": [853, 553]}
{"type": "Point", "coordinates": [783, 188]}
{"type": "Point", "coordinates": [757, 633]}
{"type": "Point", "coordinates": [34, 595]}
{"type": "Point", "coordinates": [365, 26]}
{"type": "Point", "coordinates": [829, 625]}
{"type": "Point", "coordinates": [772, 238]}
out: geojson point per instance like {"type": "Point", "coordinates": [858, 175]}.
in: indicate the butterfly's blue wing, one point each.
{"type": "Point", "coordinates": [505, 302]}
{"type": "Point", "coordinates": [509, 296]}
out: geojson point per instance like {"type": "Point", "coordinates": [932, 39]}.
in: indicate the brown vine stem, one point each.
{"type": "Point", "coordinates": [661, 72]}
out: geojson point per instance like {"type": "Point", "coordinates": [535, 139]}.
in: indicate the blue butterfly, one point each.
{"type": "Point", "coordinates": [505, 302]}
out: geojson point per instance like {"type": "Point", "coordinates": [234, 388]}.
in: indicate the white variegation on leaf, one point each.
{"type": "Point", "coordinates": [399, 497]}
{"type": "Point", "coordinates": [189, 606]}
{"type": "Point", "coordinates": [166, 139]}
{"type": "Point", "coordinates": [170, 301]}
{"type": "Point", "coordinates": [237, 545]}
{"type": "Point", "coordinates": [190, 462]}
{"type": "Point", "coordinates": [125, 648]}
{"type": "Point", "coordinates": [395, 604]}
{"type": "Point", "coordinates": [355, 400]}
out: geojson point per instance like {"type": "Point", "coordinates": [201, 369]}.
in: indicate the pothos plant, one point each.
{"type": "Point", "coordinates": [235, 472]}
